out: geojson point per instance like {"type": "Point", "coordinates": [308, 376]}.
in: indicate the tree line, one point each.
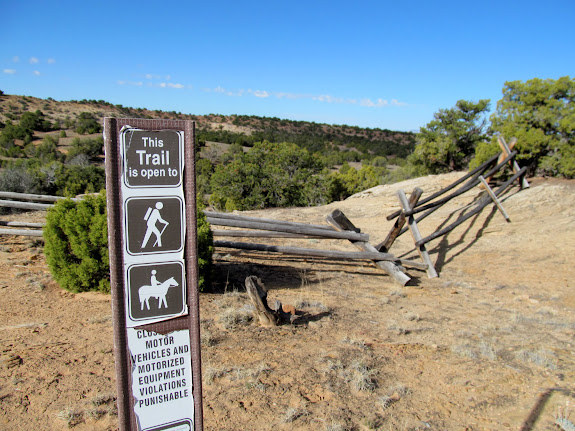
{"type": "Point", "coordinates": [299, 164]}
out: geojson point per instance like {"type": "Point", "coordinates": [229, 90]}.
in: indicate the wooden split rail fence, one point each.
{"type": "Point", "coordinates": [252, 227]}
{"type": "Point", "coordinates": [339, 226]}
{"type": "Point", "coordinates": [479, 176]}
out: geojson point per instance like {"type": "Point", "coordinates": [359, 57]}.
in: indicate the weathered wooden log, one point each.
{"type": "Point", "coordinates": [479, 207]}
{"type": "Point", "coordinates": [228, 216]}
{"type": "Point", "coordinates": [32, 197]}
{"type": "Point", "coordinates": [431, 272]}
{"type": "Point", "coordinates": [504, 153]}
{"type": "Point", "coordinates": [21, 232]}
{"type": "Point", "coordinates": [473, 182]}
{"type": "Point", "coordinates": [312, 252]}
{"type": "Point", "coordinates": [260, 234]}
{"type": "Point", "coordinates": [386, 244]}
{"type": "Point", "coordinates": [302, 230]}
{"type": "Point", "coordinates": [433, 209]}
{"type": "Point", "coordinates": [21, 224]}
{"type": "Point", "coordinates": [515, 166]}
{"type": "Point", "coordinates": [494, 198]}
{"type": "Point", "coordinates": [340, 222]}
{"type": "Point", "coordinates": [258, 295]}
{"type": "Point", "coordinates": [24, 205]}
{"type": "Point", "coordinates": [480, 168]}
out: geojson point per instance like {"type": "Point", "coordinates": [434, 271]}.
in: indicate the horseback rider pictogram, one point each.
{"type": "Point", "coordinates": [152, 217]}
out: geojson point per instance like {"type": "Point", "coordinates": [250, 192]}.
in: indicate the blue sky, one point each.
{"type": "Point", "coordinates": [366, 63]}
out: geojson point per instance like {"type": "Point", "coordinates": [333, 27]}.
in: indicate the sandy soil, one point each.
{"type": "Point", "coordinates": [486, 346]}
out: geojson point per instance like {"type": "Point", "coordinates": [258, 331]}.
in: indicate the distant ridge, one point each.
{"type": "Point", "coordinates": [243, 129]}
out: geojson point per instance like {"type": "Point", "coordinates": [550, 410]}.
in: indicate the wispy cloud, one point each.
{"type": "Point", "coordinates": [328, 99]}
{"type": "Point", "coordinates": [165, 81]}
{"type": "Point", "coordinates": [156, 80]}
{"type": "Point", "coordinates": [259, 93]}
{"type": "Point", "coordinates": [34, 60]}
{"type": "Point", "coordinates": [222, 90]}
{"type": "Point", "coordinates": [322, 98]}
{"type": "Point", "coordinates": [132, 83]}
{"type": "Point", "coordinates": [380, 103]}
{"type": "Point", "coordinates": [9, 71]}
{"type": "Point", "coordinates": [36, 73]}
{"type": "Point", "coordinates": [16, 59]}
{"type": "Point", "coordinates": [51, 61]}
{"type": "Point", "coordinates": [169, 85]}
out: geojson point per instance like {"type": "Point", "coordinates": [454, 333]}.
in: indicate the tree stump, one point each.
{"type": "Point", "coordinates": [258, 295]}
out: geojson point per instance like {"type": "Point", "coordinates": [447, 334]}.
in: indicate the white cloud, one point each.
{"type": "Point", "coordinates": [324, 98]}
{"type": "Point", "coordinates": [133, 83]}
{"type": "Point", "coordinates": [51, 61]}
{"type": "Point", "coordinates": [380, 103]}
{"type": "Point", "coordinates": [221, 90]}
{"type": "Point", "coordinates": [36, 72]}
{"type": "Point", "coordinates": [9, 71]}
{"type": "Point", "coordinates": [292, 96]}
{"type": "Point", "coordinates": [394, 102]}
{"type": "Point", "coordinates": [175, 85]}
{"type": "Point", "coordinates": [259, 93]}
{"type": "Point", "coordinates": [328, 99]}
{"type": "Point", "coordinates": [371, 104]}
{"type": "Point", "coordinates": [34, 60]}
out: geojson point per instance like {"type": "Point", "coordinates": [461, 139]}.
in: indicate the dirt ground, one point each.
{"type": "Point", "coordinates": [488, 345]}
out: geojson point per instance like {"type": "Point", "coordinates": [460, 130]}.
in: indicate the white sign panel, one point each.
{"type": "Point", "coordinates": [162, 380]}
{"type": "Point", "coordinates": [154, 225]}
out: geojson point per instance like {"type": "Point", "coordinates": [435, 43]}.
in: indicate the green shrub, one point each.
{"type": "Point", "coordinates": [205, 251]}
{"type": "Point", "coordinates": [72, 180]}
{"type": "Point", "coordinates": [76, 236]}
{"type": "Point", "coordinates": [76, 245]}
{"type": "Point", "coordinates": [269, 175]}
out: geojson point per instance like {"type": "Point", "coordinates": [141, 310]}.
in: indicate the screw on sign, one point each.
{"type": "Point", "coordinates": [154, 225]}
{"type": "Point", "coordinates": [156, 290]}
{"type": "Point", "coordinates": [152, 158]}
{"type": "Point", "coordinates": [151, 200]}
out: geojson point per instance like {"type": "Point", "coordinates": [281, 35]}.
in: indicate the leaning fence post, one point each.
{"type": "Point", "coordinates": [341, 223]}
{"type": "Point", "coordinates": [431, 272]}
{"type": "Point", "coordinates": [507, 150]}
{"type": "Point", "coordinates": [386, 244]}
{"type": "Point", "coordinates": [494, 198]}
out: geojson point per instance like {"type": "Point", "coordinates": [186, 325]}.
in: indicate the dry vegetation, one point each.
{"type": "Point", "coordinates": [474, 349]}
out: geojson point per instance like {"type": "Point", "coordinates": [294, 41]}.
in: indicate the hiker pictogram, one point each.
{"type": "Point", "coordinates": [153, 217]}
{"type": "Point", "coordinates": [154, 225]}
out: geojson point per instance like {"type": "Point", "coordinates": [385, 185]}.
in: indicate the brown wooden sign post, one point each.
{"type": "Point", "coordinates": [151, 201]}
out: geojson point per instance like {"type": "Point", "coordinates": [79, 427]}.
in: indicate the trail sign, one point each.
{"type": "Point", "coordinates": [153, 273]}
{"type": "Point", "coordinates": [152, 158]}
{"type": "Point", "coordinates": [154, 224]}
{"type": "Point", "coordinates": [156, 290]}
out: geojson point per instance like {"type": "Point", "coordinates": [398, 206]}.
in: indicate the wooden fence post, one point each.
{"type": "Point", "coordinates": [341, 223]}
{"type": "Point", "coordinates": [431, 272]}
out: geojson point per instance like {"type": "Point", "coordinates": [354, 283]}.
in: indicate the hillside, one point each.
{"type": "Point", "coordinates": [227, 129]}
{"type": "Point", "coordinates": [486, 346]}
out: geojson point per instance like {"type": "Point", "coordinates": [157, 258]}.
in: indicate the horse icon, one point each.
{"type": "Point", "coordinates": [159, 292]}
